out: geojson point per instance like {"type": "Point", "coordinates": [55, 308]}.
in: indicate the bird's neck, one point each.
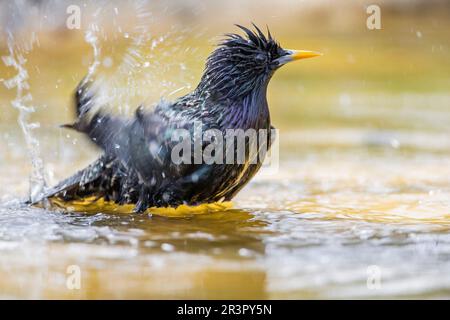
{"type": "Point", "coordinates": [232, 85]}
{"type": "Point", "coordinates": [239, 100]}
{"type": "Point", "coordinates": [248, 112]}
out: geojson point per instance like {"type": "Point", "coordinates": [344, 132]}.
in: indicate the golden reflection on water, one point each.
{"type": "Point", "coordinates": [93, 205]}
{"type": "Point", "coordinates": [132, 276]}
{"type": "Point", "coordinates": [305, 232]}
{"type": "Point", "coordinates": [191, 256]}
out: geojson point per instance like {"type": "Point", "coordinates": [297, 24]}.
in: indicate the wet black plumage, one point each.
{"type": "Point", "coordinates": [136, 166]}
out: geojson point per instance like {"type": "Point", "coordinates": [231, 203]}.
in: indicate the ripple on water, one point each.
{"type": "Point", "coordinates": [318, 228]}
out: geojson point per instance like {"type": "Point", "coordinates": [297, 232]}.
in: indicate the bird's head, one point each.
{"type": "Point", "coordinates": [242, 63]}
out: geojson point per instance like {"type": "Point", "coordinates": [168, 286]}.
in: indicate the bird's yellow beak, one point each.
{"type": "Point", "coordinates": [293, 55]}
{"type": "Point", "coordinates": [303, 54]}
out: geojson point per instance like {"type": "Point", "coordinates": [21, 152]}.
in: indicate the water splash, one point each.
{"type": "Point", "coordinates": [141, 71]}
{"type": "Point", "coordinates": [92, 39]}
{"type": "Point", "coordinates": [22, 102]}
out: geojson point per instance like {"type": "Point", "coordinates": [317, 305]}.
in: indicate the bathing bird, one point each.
{"type": "Point", "coordinates": [137, 165]}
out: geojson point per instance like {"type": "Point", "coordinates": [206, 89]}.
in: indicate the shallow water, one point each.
{"type": "Point", "coordinates": [358, 208]}
{"type": "Point", "coordinates": [330, 220]}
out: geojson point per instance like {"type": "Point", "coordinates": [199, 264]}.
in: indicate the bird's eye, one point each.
{"type": "Point", "coordinates": [260, 58]}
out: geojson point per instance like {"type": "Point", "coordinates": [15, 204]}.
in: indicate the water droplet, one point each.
{"type": "Point", "coordinates": [243, 252]}
{"type": "Point", "coordinates": [107, 62]}
{"type": "Point", "coordinates": [345, 100]}
{"type": "Point", "coordinates": [395, 143]}
{"type": "Point", "coordinates": [167, 247]}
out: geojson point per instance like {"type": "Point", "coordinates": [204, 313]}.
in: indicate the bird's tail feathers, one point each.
{"type": "Point", "coordinates": [78, 185]}
{"type": "Point", "coordinates": [107, 131]}
{"type": "Point", "coordinates": [86, 105]}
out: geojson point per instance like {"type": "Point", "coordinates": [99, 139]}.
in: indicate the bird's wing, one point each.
{"type": "Point", "coordinates": [152, 138]}
{"type": "Point", "coordinates": [107, 131]}
{"type": "Point", "coordinates": [143, 144]}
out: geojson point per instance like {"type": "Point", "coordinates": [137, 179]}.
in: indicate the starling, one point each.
{"type": "Point", "coordinates": [137, 165]}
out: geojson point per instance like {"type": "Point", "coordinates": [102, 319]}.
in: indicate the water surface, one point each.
{"type": "Point", "coordinates": [335, 210]}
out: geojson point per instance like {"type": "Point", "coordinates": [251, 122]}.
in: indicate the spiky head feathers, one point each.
{"type": "Point", "coordinates": [240, 63]}
{"type": "Point", "coordinates": [254, 46]}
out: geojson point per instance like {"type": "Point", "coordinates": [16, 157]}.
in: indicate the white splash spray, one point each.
{"type": "Point", "coordinates": [92, 39]}
{"type": "Point", "coordinates": [22, 102]}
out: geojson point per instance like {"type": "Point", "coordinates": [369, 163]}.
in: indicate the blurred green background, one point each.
{"type": "Point", "coordinates": [396, 77]}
